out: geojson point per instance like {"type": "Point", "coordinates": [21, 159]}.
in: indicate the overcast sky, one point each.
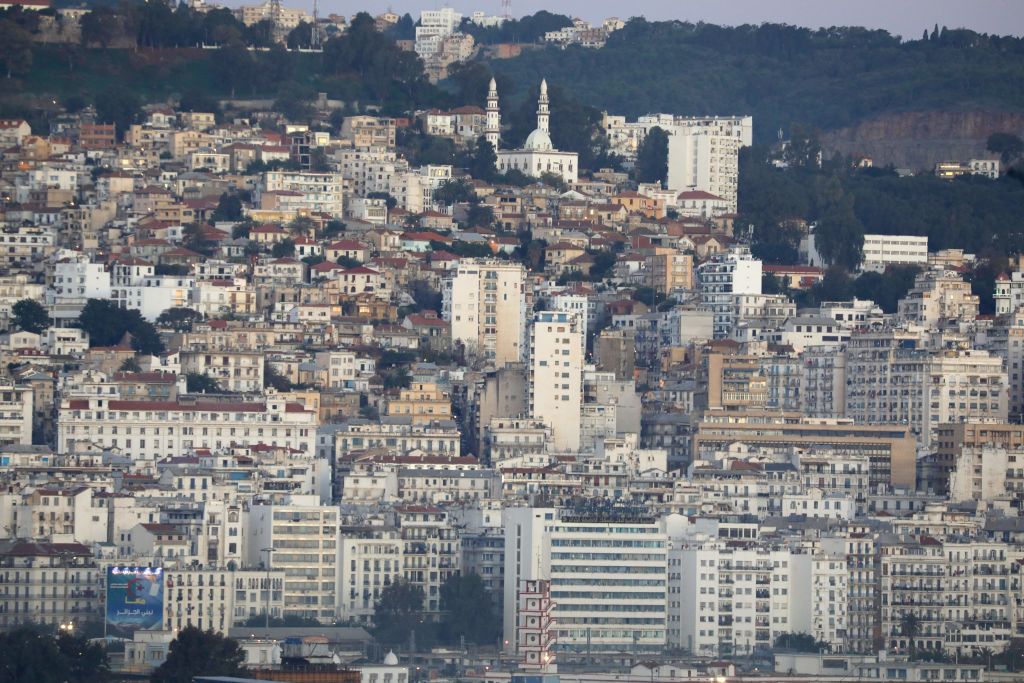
{"type": "Point", "coordinates": [907, 18]}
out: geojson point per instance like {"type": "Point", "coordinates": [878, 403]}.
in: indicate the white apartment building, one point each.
{"type": "Point", "coordinates": [153, 295]}
{"type": "Point", "coordinates": [434, 27]}
{"type": "Point", "coordinates": [884, 250]}
{"type": "Point", "coordinates": [803, 331]}
{"type": "Point", "coordinates": [152, 430]}
{"type": "Point", "coordinates": [319, 192]}
{"type": "Point", "coordinates": [727, 600]}
{"type": "Point", "coordinates": [894, 379]}
{"type": "Point", "coordinates": [299, 537]}
{"type": "Point", "coordinates": [16, 404]}
{"type": "Point", "coordinates": [703, 155]}
{"type": "Point", "coordinates": [960, 591]}
{"type": "Point", "coordinates": [75, 280]}
{"type": "Point", "coordinates": [485, 302]}
{"type": "Point", "coordinates": [25, 245]}
{"type": "Point", "coordinates": [370, 559]}
{"type": "Point", "coordinates": [556, 376]}
{"type": "Point", "coordinates": [431, 550]}
{"type": "Point", "coordinates": [722, 277]}
{"type": "Point", "coordinates": [414, 189]}
{"type": "Point", "coordinates": [608, 574]}
{"type": "Point", "coordinates": [219, 598]}
{"type": "Point", "coordinates": [1006, 340]}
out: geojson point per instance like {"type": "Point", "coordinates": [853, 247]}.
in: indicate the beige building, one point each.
{"type": "Point", "coordinates": [891, 448]}
{"type": "Point", "coordinates": [369, 131]}
{"type": "Point", "coordinates": [893, 378]}
{"type": "Point", "coordinates": [299, 537]}
{"type": "Point", "coordinates": [556, 376]}
{"type": "Point", "coordinates": [485, 302]}
{"type": "Point", "coordinates": [668, 270]}
{"type": "Point", "coordinates": [149, 430]}
{"type": "Point", "coordinates": [939, 297]}
{"type": "Point", "coordinates": [49, 583]}
{"type": "Point", "coordinates": [235, 371]}
{"type": "Point", "coordinates": [424, 402]}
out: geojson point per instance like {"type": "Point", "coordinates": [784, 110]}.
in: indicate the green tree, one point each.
{"type": "Point", "coordinates": [15, 48]}
{"type": "Point", "coordinates": [652, 157]}
{"type": "Point", "coordinates": [30, 316]}
{"type": "Point", "coordinates": [479, 216]}
{"type": "Point", "coordinates": [800, 642]}
{"type": "Point", "coordinates": [398, 614]}
{"type": "Point", "coordinates": [910, 627]}
{"type": "Point", "coordinates": [283, 249]}
{"type": "Point", "coordinates": [119, 105]}
{"type": "Point", "coordinates": [454, 191]}
{"type": "Point", "coordinates": [1007, 145]}
{"type": "Point", "coordinates": [106, 324]}
{"type": "Point", "coordinates": [130, 365]}
{"type": "Point", "coordinates": [483, 164]}
{"type": "Point", "coordinates": [839, 236]}
{"type": "Point", "coordinates": [229, 208]}
{"type": "Point", "coordinates": [32, 656]}
{"type": "Point", "coordinates": [468, 611]}
{"type": "Point", "coordinates": [100, 26]}
{"type": "Point", "coordinates": [273, 378]}
{"type": "Point", "coordinates": [198, 383]}
{"type": "Point", "coordinates": [804, 148]}
{"type": "Point", "coordinates": [199, 653]}
{"type": "Point", "coordinates": [426, 298]}
{"type": "Point", "coordinates": [646, 295]}
{"type": "Point", "coordinates": [178, 318]}
{"type": "Point", "coordinates": [554, 181]}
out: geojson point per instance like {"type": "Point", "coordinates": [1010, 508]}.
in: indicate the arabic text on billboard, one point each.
{"type": "Point", "coordinates": [135, 598]}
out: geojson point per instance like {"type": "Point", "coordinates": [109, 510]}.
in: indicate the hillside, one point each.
{"type": "Point", "coordinates": [829, 79]}
{"type": "Point", "coordinates": [917, 140]}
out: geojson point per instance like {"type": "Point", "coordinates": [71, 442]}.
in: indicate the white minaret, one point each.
{"type": "Point", "coordinates": [542, 107]}
{"type": "Point", "coordinates": [492, 132]}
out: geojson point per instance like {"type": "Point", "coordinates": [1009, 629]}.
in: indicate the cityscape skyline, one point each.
{"type": "Point", "coordinates": [906, 18]}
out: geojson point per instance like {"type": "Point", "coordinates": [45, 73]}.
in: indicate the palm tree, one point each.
{"type": "Point", "coordinates": [910, 626]}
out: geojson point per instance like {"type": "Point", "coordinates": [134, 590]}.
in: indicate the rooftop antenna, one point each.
{"type": "Point", "coordinates": [314, 34]}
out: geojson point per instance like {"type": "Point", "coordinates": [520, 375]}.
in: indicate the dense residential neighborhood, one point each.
{"type": "Point", "coordinates": [360, 396]}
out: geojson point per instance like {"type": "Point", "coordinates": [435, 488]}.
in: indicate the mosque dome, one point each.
{"type": "Point", "coordinates": [538, 141]}
{"type": "Point", "coordinates": [391, 659]}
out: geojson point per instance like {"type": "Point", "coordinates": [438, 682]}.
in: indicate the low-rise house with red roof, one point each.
{"type": "Point", "coordinates": [700, 204]}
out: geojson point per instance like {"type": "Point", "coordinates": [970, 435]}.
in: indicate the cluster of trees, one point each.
{"type": "Point", "coordinates": [107, 325]}
{"type": "Point", "coordinates": [780, 74]}
{"type": "Point", "coordinates": [16, 29]}
{"type": "Point", "coordinates": [32, 655]}
{"type": "Point", "coordinates": [466, 613]}
{"type": "Point", "coordinates": [159, 25]}
{"type": "Point", "coordinates": [528, 29]}
{"type": "Point", "coordinates": [977, 214]}
{"type": "Point", "coordinates": [885, 289]}
{"type": "Point", "coordinates": [361, 65]}
{"type": "Point", "coordinates": [194, 653]}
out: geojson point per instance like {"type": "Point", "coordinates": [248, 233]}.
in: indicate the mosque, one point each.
{"type": "Point", "coordinates": [538, 155]}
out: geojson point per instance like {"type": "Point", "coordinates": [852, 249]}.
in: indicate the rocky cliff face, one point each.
{"type": "Point", "coordinates": [917, 140]}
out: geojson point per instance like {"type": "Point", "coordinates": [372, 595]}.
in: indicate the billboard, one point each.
{"type": "Point", "coordinates": [135, 598]}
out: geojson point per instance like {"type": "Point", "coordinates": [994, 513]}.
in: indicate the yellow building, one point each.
{"type": "Point", "coordinates": [424, 402]}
